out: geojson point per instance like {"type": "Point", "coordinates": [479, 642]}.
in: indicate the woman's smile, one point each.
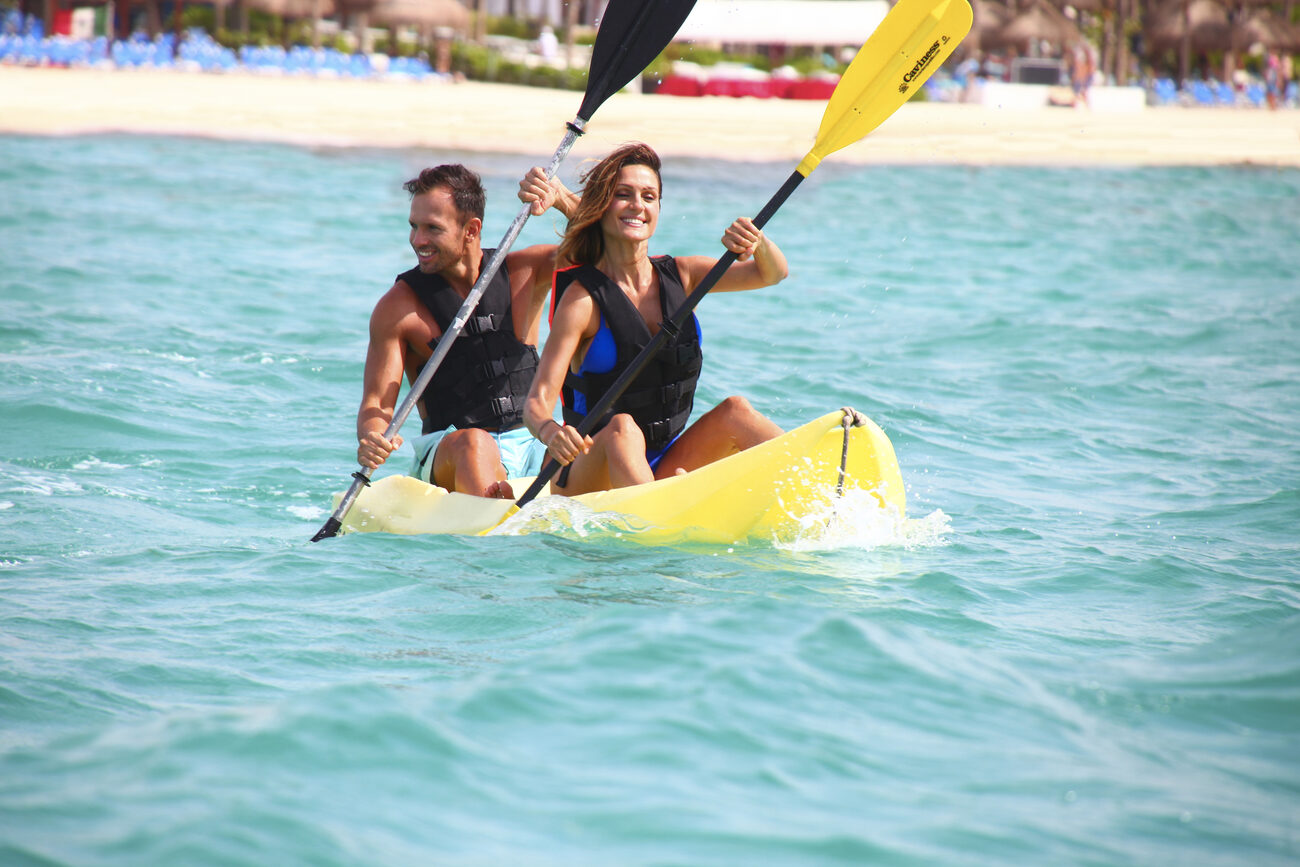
{"type": "Point", "coordinates": [633, 211]}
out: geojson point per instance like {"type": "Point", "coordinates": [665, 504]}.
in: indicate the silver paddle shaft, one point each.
{"type": "Point", "coordinates": [362, 478]}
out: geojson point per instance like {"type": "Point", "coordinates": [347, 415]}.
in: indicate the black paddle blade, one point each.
{"type": "Point", "coordinates": [329, 530]}
{"type": "Point", "coordinates": [631, 34]}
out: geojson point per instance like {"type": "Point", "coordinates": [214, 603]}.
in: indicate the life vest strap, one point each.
{"type": "Point", "coordinates": [666, 395]}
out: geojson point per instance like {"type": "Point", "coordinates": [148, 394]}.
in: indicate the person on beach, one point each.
{"type": "Point", "coordinates": [1274, 82]}
{"type": "Point", "coordinates": [483, 381]}
{"type": "Point", "coordinates": [1082, 68]}
{"type": "Point", "coordinates": [608, 302]}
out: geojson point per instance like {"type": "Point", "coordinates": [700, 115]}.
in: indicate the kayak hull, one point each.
{"type": "Point", "coordinates": [768, 492]}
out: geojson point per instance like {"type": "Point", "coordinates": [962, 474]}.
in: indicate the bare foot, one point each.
{"type": "Point", "coordinates": [500, 491]}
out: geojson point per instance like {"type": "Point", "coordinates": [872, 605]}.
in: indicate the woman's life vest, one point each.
{"type": "Point", "coordinates": [661, 396]}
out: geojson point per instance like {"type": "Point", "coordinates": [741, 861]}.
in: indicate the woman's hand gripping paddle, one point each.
{"type": "Point", "coordinates": [631, 34]}
{"type": "Point", "coordinates": [913, 41]}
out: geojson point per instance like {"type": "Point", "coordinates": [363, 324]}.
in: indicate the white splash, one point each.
{"type": "Point", "coordinates": [95, 463]}
{"type": "Point", "coordinates": [858, 520]}
{"type": "Point", "coordinates": [561, 515]}
{"type": "Point", "coordinates": [305, 512]}
{"type": "Point", "coordinates": [43, 484]}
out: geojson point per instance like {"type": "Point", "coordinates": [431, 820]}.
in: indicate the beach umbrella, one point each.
{"type": "Point", "coordinates": [294, 8]}
{"type": "Point", "coordinates": [424, 15]}
{"type": "Point", "coordinates": [1041, 22]}
{"type": "Point", "coordinates": [356, 15]}
{"type": "Point", "coordinates": [1205, 25]}
{"type": "Point", "coordinates": [313, 10]}
{"type": "Point", "coordinates": [1201, 25]}
{"type": "Point", "coordinates": [1093, 6]}
{"type": "Point", "coordinates": [358, 11]}
{"type": "Point", "coordinates": [1266, 28]}
{"type": "Point", "coordinates": [990, 16]}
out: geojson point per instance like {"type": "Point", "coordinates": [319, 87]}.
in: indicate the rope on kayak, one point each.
{"type": "Point", "coordinates": [852, 418]}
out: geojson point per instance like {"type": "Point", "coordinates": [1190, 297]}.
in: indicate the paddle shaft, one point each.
{"type": "Point", "coordinates": [914, 38]}
{"type": "Point", "coordinates": [668, 329]}
{"type": "Point", "coordinates": [361, 477]}
{"type": "Point", "coordinates": [912, 41]}
{"type": "Point", "coordinates": [576, 128]}
{"type": "Point", "coordinates": [625, 44]}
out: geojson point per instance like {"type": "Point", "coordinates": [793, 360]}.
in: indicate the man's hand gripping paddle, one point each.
{"type": "Point", "coordinates": [914, 40]}
{"type": "Point", "coordinates": [631, 34]}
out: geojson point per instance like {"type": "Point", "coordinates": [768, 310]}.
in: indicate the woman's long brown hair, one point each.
{"type": "Point", "coordinates": [584, 242]}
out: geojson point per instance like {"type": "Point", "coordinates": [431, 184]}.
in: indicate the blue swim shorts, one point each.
{"type": "Point", "coordinates": [654, 456]}
{"type": "Point", "coordinates": [521, 453]}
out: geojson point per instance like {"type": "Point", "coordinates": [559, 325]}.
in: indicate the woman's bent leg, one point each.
{"type": "Point", "coordinates": [731, 426]}
{"type": "Point", "coordinates": [616, 460]}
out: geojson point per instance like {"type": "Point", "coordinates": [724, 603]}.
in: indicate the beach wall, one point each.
{"type": "Point", "coordinates": [1000, 94]}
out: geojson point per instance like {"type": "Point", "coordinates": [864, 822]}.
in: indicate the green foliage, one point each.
{"type": "Point", "coordinates": [480, 63]}
{"type": "Point", "coordinates": [298, 33]}
{"type": "Point", "coordinates": [519, 28]}
{"type": "Point", "coordinates": [199, 16]}
{"type": "Point", "coordinates": [402, 48]}
{"type": "Point", "coordinates": [712, 56]}
{"type": "Point", "coordinates": [559, 79]}
{"type": "Point", "coordinates": [472, 61]}
{"type": "Point", "coordinates": [804, 60]}
{"type": "Point", "coordinates": [658, 68]}
{"type": "Point", "coordinates": [807, 63]}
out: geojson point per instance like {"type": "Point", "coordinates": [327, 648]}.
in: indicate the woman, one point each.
{"type": "Point", "coordinates": [607, 305]}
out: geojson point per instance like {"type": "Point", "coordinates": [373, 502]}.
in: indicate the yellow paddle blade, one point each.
{"type": "Point", "coordinates": [914, 40]}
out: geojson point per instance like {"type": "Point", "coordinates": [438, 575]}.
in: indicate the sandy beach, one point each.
{"type": "Point", "coordinates": [501, 118]}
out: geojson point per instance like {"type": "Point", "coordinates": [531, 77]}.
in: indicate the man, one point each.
{"type": "Point", "coordinates": [482, 383]}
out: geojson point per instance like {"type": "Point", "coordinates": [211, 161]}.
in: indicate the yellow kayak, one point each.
{"type": "Point", "coordinates": [768, 492]}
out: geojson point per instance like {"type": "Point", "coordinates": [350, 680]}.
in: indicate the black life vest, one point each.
{"type": "Point", "coordinates": [484, 379]}
{"type": "Point", "coordinates": [661, 397]}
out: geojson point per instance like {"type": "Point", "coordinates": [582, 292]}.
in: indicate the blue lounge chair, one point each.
{"type": "Point", "coordinates": [1166, 92]}
{"type": "Point", "coordinates": [1202, 94]}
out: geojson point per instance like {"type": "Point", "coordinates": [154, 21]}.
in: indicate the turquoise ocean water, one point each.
{"type": "Point", "coordinates": [1083, 648]}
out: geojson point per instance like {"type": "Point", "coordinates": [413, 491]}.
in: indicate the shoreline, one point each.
{"type": "Point", "coordinates": [482, 117]}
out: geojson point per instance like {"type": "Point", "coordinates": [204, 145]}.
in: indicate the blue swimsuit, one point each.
{"type": "Point", "coordinates": [602, 355]}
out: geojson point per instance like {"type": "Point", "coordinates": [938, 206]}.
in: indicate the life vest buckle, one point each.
{"type": "Point", "coordinates": [481, 324]}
